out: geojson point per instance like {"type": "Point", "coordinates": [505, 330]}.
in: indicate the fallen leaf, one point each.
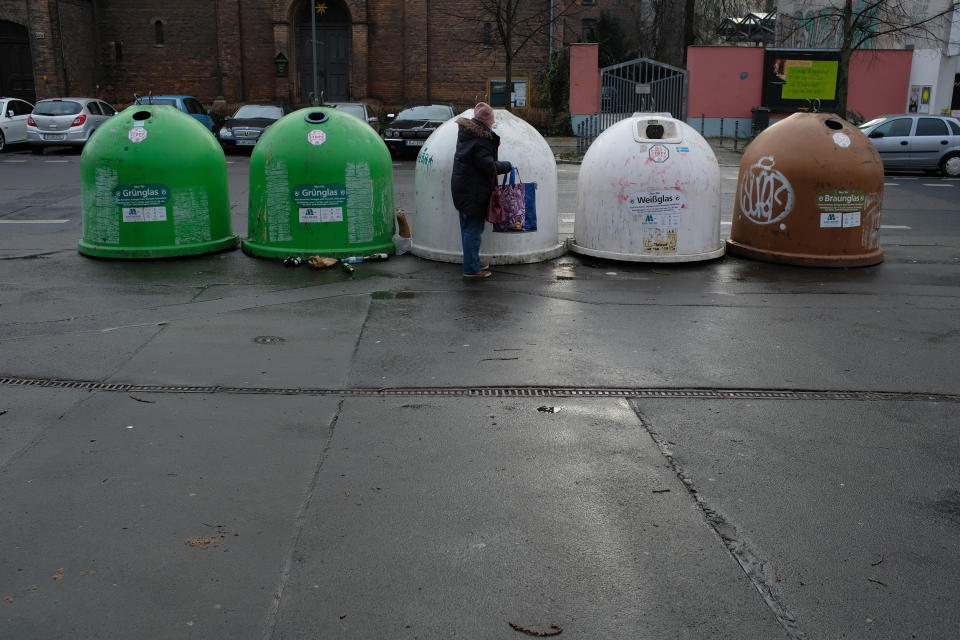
{"type": "Point", "coordinates": [59, 574]}
{"type": "Point", "coordinates": [201, 542]}
{"type": "Point", "coordinates": [8, 599]}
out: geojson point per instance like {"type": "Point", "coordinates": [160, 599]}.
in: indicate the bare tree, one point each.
{"type": "Point", "coordinates": [849, 27]}
{"type": "Point", "coordinates": [514, 25]}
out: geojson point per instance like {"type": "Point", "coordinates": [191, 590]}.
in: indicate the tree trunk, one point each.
{"type": "Point", "coordinates": [846, 53]}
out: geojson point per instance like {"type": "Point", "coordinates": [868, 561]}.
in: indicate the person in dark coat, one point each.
{"type": "Point", "coordinates": [475, 170]}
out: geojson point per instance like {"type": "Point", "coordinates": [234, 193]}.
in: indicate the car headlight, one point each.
{"type": "Point", "coordinates": [392, 133]}
{"type": "Point", "coordinates": [226, 133]}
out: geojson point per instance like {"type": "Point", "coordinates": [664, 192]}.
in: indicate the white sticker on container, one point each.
{"type": "Point", "coordinates": [138, 133]}
{"type": "Point", "coordinates": [659, 153]}
{"type": "Point", "coordinates": [851, 219]}
{"type": "Point", "coordinates": [659, 232]}
{"type": "Point", "coordinates": [316, 137]}
{"type": "Point", "coordinates": [144, 214]}
{"type": "Point", "coordinates": [665, 201]}
{"type": "Point", "coordinates": [321, 214]}
{"type": "Point", "coordinates": [841, 140]}
{"type": "Point", "coordinates": [831, 220]}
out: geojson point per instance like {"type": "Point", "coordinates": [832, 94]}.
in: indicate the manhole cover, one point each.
{"type": "Point", "coordinates": [269, 339]}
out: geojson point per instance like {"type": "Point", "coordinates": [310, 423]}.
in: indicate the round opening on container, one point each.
{"type": "Point", "coordinates": [315, 117]}
{"type": "Point", "coordinates": [833, 124]}
{"type": "Point", "coordinates": [654, 131]}
{"type": "Point", "coordinates": [142, 115]}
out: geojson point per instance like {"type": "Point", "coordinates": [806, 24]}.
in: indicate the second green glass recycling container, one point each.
{"type": "Point", "coordinates": [321, 183]}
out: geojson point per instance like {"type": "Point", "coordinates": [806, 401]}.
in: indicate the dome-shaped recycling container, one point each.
{"type": "Point", "coordinates": [809, 192]}
{"type": "Point", "coordinates": [649, 191]}
{"type": "Point", "coordinates": [321, 183]}
{"type": "Point", "coordinates": [436, 228]}
{"type": "Point", "coordinates": [154, 185]}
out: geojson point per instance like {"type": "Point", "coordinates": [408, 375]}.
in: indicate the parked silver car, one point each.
{"type": "Point", "coordinates": [65, 121]}
{"type": "Point", "coordinates": [13, 121]}
{"type": "Point", "coordinates": [916, 141]}
{"type": "Point", "coordinates": [360, 110]}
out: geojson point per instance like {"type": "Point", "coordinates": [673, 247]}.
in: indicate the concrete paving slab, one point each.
{"type": "Point", "coordinates": [162, 519]}
{"type": "Point", "coordinates": [26, 414]}
{"type": "Point", "coordinates": [83, 355]}
{"type": "Point", "coordinates": [300, 344]}
{"type": "Point", "coordinates": [852, 507]}
{"type": "Point", "coordinates": [641, 329]}
{"type": "Point", "coordinates": [450, 518]}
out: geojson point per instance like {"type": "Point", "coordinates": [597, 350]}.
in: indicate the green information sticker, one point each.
{"type": "Point", "coordinates": [810, 80]}
{"type": "Point", "coordinates": [841, 201]}
{"type": "Point", "coordinates": [320, 195]}
{"type": "Point", "coordinates": [141, 195]}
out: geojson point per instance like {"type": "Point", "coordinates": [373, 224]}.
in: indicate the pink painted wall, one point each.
{"type": "Point", "coordinates": [716, 88]}
{"type": "Point", "coordinates": [584, 78]}
{"type": "Point", "coordinates": [879, 82]}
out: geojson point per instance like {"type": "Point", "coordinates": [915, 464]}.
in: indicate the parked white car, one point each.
{"type": "Point", "coordinates": [65, 121]}
{"type": "Point", "coordinates": [13, 121]}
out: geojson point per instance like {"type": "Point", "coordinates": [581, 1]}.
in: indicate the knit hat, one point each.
{"type": "Point", "coordinates": [484, 113]}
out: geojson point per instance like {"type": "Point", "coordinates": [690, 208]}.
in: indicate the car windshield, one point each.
{"type": "Point", "coordinates": [352, 109]}
{"type": "Point", "coordinates": [259, 111]}
{"type": "Point", "coordinates": [867, 125]}
{"type": "Point", "coordinates": [57, 108]}
{"type": "Point", "coordinates": [169, 101]}
{"type": "Point", "coordinates": [427, 112]}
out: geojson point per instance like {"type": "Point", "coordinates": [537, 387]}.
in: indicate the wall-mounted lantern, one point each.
{"type": "Point", "coordinates": [283, 66]}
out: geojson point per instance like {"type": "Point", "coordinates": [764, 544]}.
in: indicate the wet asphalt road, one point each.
{"type": "Point", "coordinates": [720, 450]}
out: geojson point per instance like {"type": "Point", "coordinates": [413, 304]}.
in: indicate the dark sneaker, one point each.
{"type": "Point", "coordinates": [479, 274]}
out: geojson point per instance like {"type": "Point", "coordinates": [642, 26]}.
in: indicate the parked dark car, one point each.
{"type": "Point", "coordinates": [188, 104]}
{"type": "Point", "coordinates": [247, 124]}
{"type": "Point", "coordinates": [65, 121]}
{"type": "Point", "coordinates": [916, 141]}
{"type": "Point", "coordinates": [360, 110]}
{"type": "Point", "coordinates": [13, 121]}
{"type": "Point", "coordinates": [413, 125]}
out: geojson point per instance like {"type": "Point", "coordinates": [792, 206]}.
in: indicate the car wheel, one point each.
{"type": "Point", "coordinates": [3, 142]}
{"type": "Point", "coordinates": [950, 166]}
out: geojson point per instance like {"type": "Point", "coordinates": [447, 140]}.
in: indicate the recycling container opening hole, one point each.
{"type": "Point", "coordinates": [833, 124]}
{"type": "Point", "coordinates": [142, 115]}
{"type": "Point", "coordinates": [315, 117]}
{"type": "Point", "coordinates": [654, 131]}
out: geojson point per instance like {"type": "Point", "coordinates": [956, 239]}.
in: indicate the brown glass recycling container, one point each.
{"type": "Point", "coordinates": [810, 191]}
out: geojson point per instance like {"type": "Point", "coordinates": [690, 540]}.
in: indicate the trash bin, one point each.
{"type": "Point", "coordinates": [649, 191]}
{"type": "Point", "coordinates": [761, 119]}
{"type": "Point", "coordinates": [321, 183]}
{"type": "Point", "coordinates": [436, 228]}
{"type": "Point", "coordinates": [809, 192]}
{"type": "Point", "coordinates": [154, 185]}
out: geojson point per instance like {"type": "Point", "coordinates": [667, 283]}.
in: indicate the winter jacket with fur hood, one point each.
{"type": "Point", "coordinates": [475, 167]}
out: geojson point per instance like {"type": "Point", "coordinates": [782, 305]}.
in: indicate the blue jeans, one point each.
{"type": "Point", "coordinates": [471, 228]}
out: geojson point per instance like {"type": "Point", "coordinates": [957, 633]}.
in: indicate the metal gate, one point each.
{"type": "Point", "coordinates": [641, 85]}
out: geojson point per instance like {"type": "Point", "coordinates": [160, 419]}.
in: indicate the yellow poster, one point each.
{"type": "Point", "coordinates": [810, 80]}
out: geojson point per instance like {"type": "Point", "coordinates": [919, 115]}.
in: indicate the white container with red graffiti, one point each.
{"type": "Point", "coordinates": [649, 191]}
{"type": "Point", "coordinates": [436, 224]}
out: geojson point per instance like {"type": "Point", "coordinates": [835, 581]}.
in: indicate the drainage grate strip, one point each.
{"type": "Point", "coordinates": [498, 392]}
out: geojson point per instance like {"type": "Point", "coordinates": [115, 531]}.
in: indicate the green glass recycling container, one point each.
{"type": "Point", "coordinates": [154, 185]}
{"type": "Point", "coordinates": [321, 183]}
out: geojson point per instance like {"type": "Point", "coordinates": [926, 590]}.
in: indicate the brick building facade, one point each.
{"type": "Point", "coordinates": [390, 51]}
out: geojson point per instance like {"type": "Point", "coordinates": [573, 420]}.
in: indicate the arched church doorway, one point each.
{"type": "Point", "coordinates": [333, 50]}
{"type": "Point", "coordinates": [16, 65]}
